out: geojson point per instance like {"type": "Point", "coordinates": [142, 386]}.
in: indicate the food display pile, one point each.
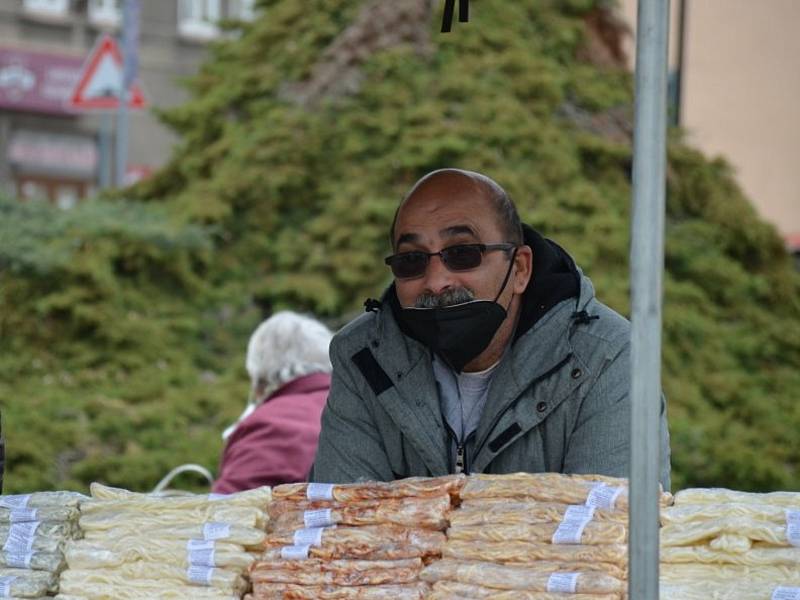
{"type": "Point", "coordinates": [502, 537]}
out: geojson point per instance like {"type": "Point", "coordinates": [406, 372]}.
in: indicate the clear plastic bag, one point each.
{"type": "Point", "coordinates": [335, 572]}
{"type": "Point", "coordinates": [108, 516]}
{"type": "Point", "coordinates": [508, 577]}
{"type": "Point", "coordinates": [698, 532]}
{"type": "Point", "coordinates": [414, 591]}
{"type": "Point", "coordinates": [147, 574]}
{"type": "Point", "coordinates": [757, 555]}
{"type": "Point", "coordinates": [595, 533]}
{"type": "Point", "coordinates": [233, 533]}
{"type": "Point", "coordinates": [115, 553]}
{"type": "Point", "coordinates": [371, 542]}
{"type": "Point", "coordinates": [39, 561]}
{"type": "Point", "coordinates": [453, 590]}
{"type": "Point", "coordinates": [723, 496]}
{"type": "Point", "coordinates": [504, 511]}
{"type": "Point", "coordinates": [525, 552]}
{"type": "Point", "coordinates": [255, 498]}
{"type": "Point", "coordinates": [375, 490]}
{"type": "Point", "coordinates": [429, 513]}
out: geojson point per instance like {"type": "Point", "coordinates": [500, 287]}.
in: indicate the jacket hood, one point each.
{"type": "Point", "coordinates": [555, 279]}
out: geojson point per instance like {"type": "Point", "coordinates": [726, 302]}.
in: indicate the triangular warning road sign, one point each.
{"type": "Point", "coordinates": [101, 80]}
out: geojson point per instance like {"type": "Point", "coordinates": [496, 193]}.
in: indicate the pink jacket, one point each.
{"type": "Point", "coordinates": [276, 443]}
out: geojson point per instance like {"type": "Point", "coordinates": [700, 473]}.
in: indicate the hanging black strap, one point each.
{"type": "Point", "coordinates": [449, 9]}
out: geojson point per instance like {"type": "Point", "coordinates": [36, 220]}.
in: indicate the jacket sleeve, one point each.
{"type": "Point", "coordinates": [350, 445]}
{"type": "Point", "coordinates": [600, 441]}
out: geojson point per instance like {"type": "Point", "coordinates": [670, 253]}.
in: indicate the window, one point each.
{"type": "Point", "coordinates": [105, 13]}
{"type": "Point", "coordinates": [241, 9]}
{"type": "Point", "coordinates": [198, 19]}
{"type": "Point", "coordinates": [47, 8]}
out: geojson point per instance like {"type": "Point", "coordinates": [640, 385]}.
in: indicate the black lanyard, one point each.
{"type": "Point", "coordinates": [449, 8]}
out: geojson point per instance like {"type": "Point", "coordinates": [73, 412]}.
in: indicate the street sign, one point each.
{"type": "Point", "coordinates": [101, 80]}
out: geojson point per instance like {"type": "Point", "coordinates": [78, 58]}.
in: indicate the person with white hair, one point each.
{"type": "Point", "coordinates": [275, 439]}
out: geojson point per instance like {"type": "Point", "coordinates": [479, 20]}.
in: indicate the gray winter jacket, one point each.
{"type": "Point", "coordinates": [558, 401]}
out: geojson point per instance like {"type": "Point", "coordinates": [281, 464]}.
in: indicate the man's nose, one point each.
{"type": "Point", "coordinates": [438, 277]}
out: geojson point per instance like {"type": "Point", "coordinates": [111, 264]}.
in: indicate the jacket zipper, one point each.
{"type": "Point", "coordinates": [496, 420]}
{"type": "Point", "coordinates": [462, 463]}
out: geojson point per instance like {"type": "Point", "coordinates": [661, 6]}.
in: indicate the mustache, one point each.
{"type": "Point", "coordinates": [449, 297]}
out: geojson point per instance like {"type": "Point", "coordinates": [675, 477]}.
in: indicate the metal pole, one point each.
{"type": "Point", "coordinates": [106, 133]}
{"type": "Point", "coordinates": [647, 263]}
{"type": "Point", "coordinates": [682, 7]}
{"type": "Point", "coordinates": [130, 67]}
{"type": "Point", "coordinates": [122, 113]}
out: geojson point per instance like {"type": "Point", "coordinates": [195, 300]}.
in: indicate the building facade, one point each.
{"type": "Point", "coordinates": [50, 151]}
{"type": "Point", "coordinates": [739, 96]}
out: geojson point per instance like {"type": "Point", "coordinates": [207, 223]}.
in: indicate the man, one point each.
{"type": "Point", "coordinates": [489, 353]}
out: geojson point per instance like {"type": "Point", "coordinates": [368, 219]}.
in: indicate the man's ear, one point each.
{"type": "Point", "coordinates": [523, 262]}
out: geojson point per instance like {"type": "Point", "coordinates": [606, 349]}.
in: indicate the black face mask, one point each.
{"type": "Point", "coordinates": [460, 332]}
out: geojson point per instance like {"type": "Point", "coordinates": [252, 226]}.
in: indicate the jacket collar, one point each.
{"type": "Point", "coordinates": [303, 385]}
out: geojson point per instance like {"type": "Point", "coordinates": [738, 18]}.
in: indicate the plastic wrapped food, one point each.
{"type": "Point", "coordinates": [36, 541]}
{"type": "Point", "coordinates": [414, 591]}
{"type": "Point", "coordinates": [732, 590]}
{"type": "Point", "coordinates": [39, 561]}
{"type": "Point", "coordinates": [594, 533]}
{"type": "Point", "coordinates": [55, 530]}
{"type": "Point", "coordinates": [685, 534]}
{"type": "Point", "coordinates": [503, 511]}
{"type": "Point", "coordinates": [544, 487]}
{"type": "Point", "coordinates": [688, 513]}
{"type": "Point", "coordinates": [723, 496]}
{"type": "Point", "coordinates": [687, 572]}
{"type": "Point", "coordinates": [42, 499]}
{"type": "Point", "coordinates": [146, 574]}
{"type": "Point", "coordinates": [371, 490]}
{"type": "Point", "coordinates": [249, 537]}
{"type": "Point", "coordinates": [44, 513]}
{"type": "Point", "coordinates": [428, 513]}
{"type": "Point", "coordinates": [525, 552]}
{"type": "Point", "coordinates": [729, 542]}
{"type": "Point", "coordinates": [371, 542]}
{"type": "Point", "coordinates": [757, 555]}
{"type": "Point", "coordinates": [256, 498]}
{"type": "Point", "coordinates": [107, 516]}
{"type": "Point", "coordinates": [25, 585]}
{"type": "Point", "coordinates": [335, 572]}
{"type": "Point", "coordinates": [114, 553]}
{"type": "Point", "coordinates": [508, 577]}
{"type": "Point", "coordinates": [453, 590]}
{"type": "Point", "coordinates": [146, 590]}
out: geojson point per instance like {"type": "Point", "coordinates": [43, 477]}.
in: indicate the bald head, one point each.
{"type": "Point", "coordinates": [458, 183]}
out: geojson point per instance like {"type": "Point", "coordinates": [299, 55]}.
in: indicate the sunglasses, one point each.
{"type": "Point", "coordinates": [462, 257]}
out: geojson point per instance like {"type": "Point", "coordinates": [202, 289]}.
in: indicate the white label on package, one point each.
{"type": "Point", "coordinates": [318, 518]}
{"type": "Point", "coordinates": [200, 552]}
{"type": "Point", "coordinates": [571, 528]}
{"type": "Point", "coordinates": [319, 491]}
{"type": "Point", "coordinates": [215, 497]}
{"type": "Point", "coordinates": [19, 560]}
{"type": "Point", "coordinates": [311, 536]}
{"type": "Point", "coordinates": [563, 582]}
{"type": "Point", "coordinates": [21, 515]}
{"type": "Point", "coordinates": [786, 593]}
{"type": "Point", "coordinates": [295, 552]}
{"type": "Point", "coordinates": [603, 496]}
{"type": "Point", "coordinates": [793, 527]}
{"type": "Point", "coordinates": [15, 501]}
{"type": "Point", "coordinates": [5, 586]}
{"type": "Point", "coordinates": [20, 537]}
{"type": "Point", "coordinates": [216, 531]}
{"type": "Point", "coordinates": [199, 574]}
